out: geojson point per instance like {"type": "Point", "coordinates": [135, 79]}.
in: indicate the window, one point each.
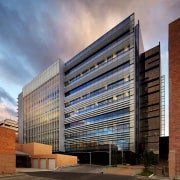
{"type": "Point", "coordinates": [121, 112]}
{"type": "Point", "coordinates": [111, 72]}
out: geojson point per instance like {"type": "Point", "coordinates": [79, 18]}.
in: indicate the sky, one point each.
{"type": "Point", "coordinates": [35, 33]}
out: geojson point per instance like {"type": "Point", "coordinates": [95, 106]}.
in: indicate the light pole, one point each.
{"type": "Point", "coordinates": [122, 155]}
{"type": "Point", "coordinates": [155, 141]}
{"type": "Point", "coordinates": [116, 143]}
{"type": "Point", "coordinates": [90, 158]}
{"type": "Point", "coordinates": [122, 147]}
{"type": "Point", "coordinates": [109, 153]}
{"type": "Point", "coordinates": [156, 152]}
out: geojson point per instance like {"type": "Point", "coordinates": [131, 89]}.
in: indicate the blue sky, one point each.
{"type": "Point", "coordinates": [35, 33]}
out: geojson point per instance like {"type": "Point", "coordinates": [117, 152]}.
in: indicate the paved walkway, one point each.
{"type": "Point", "coordinates": [22, 170]}
{"type": "Point", "coordinates": [123, 170]}
{"type": "Point", "coordinates": [126, 170]}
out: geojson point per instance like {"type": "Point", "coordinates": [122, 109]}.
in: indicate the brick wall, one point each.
{"type": "Point", "coordinates": [42, 149]}
{"type": "Point", "coordinates": [44, 152]}
{"type": "Point", "coordinates": [174, 99]}
{"type": "Point", "coordinates": [7, 151]}
{"type": "Point", "coordinates": [34, 148]}
{"type": "Point", "coordinates": [60, 160]}
{"type": "Point", "coordinates": [66, 160]}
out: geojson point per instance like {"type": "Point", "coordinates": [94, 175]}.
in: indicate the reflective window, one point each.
{"type": "Point", "coordinates": [92, 68]}
{"type": "Point", "coordinates": [124, 128]}
{"type": "Point", "coordinates": [102, 117]}
{"type": "Point", "coordinates": [126, 34]}
{"type": "Point", "coordinates": [96, 92]}
{"type": "Point", "coordinates": [105, 75]}
{"type": "Point", "coordinates": [41, 114]}
{"type": "Point", "coordinates": [97, 105]}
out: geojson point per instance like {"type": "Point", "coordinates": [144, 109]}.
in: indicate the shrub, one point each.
{"type": "Point", "coordinates": [146, 173]}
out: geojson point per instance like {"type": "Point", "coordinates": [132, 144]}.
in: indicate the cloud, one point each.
{"type": "Point", "coordinates": [35, 33]}
{"type": "Point", "coordinates": [13, 70]}
{"type": "Point", "coordinates": [28, 42]}
{"type": "Point", "coordinates": [154, 20]}
{"type": "Point", "coordinates": [11, 111]}
{"type": "Point", "coordinates": [7, 112]}
{"type": "Point", "coordinates": [7, 105]}
{"type": "Point", "coordinates": [4, 96]}
{"type": "Point", "coordinates": [85, 21]}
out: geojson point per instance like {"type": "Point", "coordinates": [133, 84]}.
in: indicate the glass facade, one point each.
{"type": "Point", "coordinates": [100, 95]}
{"type": "Point", "coordinates": [150, 104]}
{"type": "Point", "coordinates": [41, 104]}
{"type": "Point", "coordinates": [20, 118]}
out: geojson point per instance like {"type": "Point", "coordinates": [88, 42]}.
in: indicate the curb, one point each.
{"type": "Point", "coordinates": [151, 176]}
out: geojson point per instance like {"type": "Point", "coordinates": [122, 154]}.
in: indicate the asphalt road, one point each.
{"type": "Point", "coordinates": [81, 172]}
{"type": "Point", "coordinates": [82, 169]}
{"type": "Point", "coordinates": [53, 175]}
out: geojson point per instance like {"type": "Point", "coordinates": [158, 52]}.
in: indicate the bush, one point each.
{"type": "Point", "coordinates": [146, 173]}
{"type": "Point", "coordinates": [149, 158]}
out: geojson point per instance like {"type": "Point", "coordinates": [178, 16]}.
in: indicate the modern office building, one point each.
{"type": "Point", "coordinates": [100, 93]}
{"type": "Point", "coordinates": [93, 104]}
{"type": "Point", "coordinates": [174, 99]}
{"type": "Point", "coordinates": [41, 117]}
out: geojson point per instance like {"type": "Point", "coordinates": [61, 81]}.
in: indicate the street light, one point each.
{"type": "Point", "coordinates": [115, 129]}
{"type": "Point", "coordinates": [109, 153]}
{"type": "Point", "coordinates": [122, 153]}
{"type": "Point", "coordinates": [155, 141]}
{"type": "Point", "coordinates": [121, 149]}
{"type": "Point", "coordinates": [156, 152]}
{"type": "Point", "coordinates": [90, 158]}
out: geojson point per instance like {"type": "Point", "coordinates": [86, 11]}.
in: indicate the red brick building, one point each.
{"type": "Point", "coordinates": [7, 151]}
{"type": "Point", "coordinates": [174, 99]}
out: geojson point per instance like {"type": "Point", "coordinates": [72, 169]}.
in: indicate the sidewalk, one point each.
{"type": "Point", "coordinates": [123, 170]}
{"type": "Point", "coordinates": [160, 177]}
{"type": "Point", "coordinates": [131, 171]}
{"type": "Point", "coordinates": [20, 170]}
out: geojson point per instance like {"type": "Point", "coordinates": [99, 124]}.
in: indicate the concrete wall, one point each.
{"type": "Point", "coordinates": [174, 99]}
{"type": "Point", "coordinates": [7, 151]}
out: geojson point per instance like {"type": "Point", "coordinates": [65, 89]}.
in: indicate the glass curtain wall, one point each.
{"type": "Point", "coordinates": [150, 104]}
{"type": "Point", "coordinates": [41, 114]}
{"type": "Point", "coordinates": [99, 102]}
{"type": "Point", "coordinates": [41, 111]}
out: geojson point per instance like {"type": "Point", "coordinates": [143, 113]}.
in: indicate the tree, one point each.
{"type": "Point", "coordinates": [148, 159]}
